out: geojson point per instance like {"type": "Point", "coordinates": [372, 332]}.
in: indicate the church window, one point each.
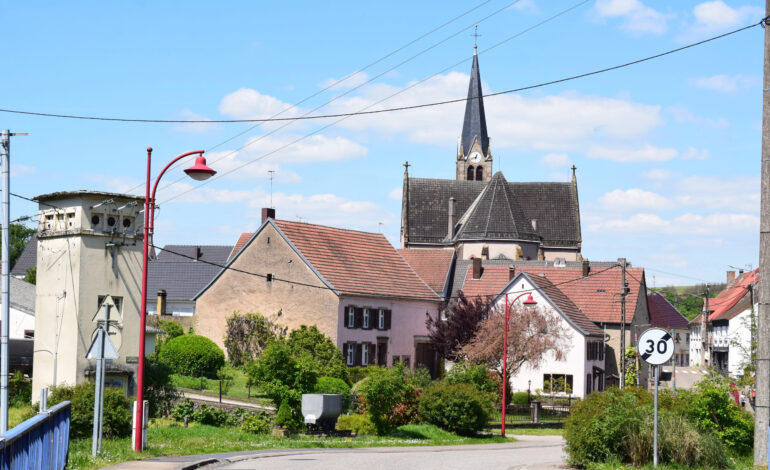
{"type": "Point", "coordinates": [470, 173]}
{"type": "Point", "coordinates": [479, 173]}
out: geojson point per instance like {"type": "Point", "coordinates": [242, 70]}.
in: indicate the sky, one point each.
{"type": "Point", "coordinates": [667, 151]}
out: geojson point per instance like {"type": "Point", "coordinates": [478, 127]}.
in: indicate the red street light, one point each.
{"type": "Point", "coordinates": [200, 171]}
{"type": "Point", "coordinates": [529, 301]}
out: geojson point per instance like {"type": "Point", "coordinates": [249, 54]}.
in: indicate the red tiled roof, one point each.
{"type": "Point", "coordinates": [663, 314]}
{"type": "Point", "coordinates": [432, 265]}
{"type": "Point", "coordinates": [721, 305]}
{"type": "Point", "coordinates": [567, 306]}
{"type": "Point", "coordinates": [239, 244]}
{"type": "Point", "coordinates": [597, 295]}
{"type": "Point", "coordinates": [356, 263]}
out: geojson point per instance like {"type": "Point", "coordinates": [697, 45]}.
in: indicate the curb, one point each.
{"type": "Point", "coordinates": [197, 464]}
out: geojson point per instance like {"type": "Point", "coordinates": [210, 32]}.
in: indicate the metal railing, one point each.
{"type": "Point", "coordinates": [40, 443]}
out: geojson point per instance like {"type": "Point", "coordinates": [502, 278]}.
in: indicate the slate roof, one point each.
{"type": "Point", "coordinates": [180, 276]}
{"type": "Point", "coordinates": [566, 305]}
{"type": "Point", "coordinates": [433, 265]}
{"type": "Point", "coordinates": [554, 206]}
{"type": "Point", "coordinates": [597, 296]}
{"type": "Point", "coordinates": [27, 259]}
{"type": "Point", "coordinates": [663, 314]}
{"type": "Point", "coordinates": [356, 263]}
{"type": "Point", "coordinates": [22, 295]}
{"type": "Point", "coordinates": [475, 121]}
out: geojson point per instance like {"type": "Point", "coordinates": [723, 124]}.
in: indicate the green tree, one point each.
{"type": "Point", "coordinates": [383, 391]}
{"type": "Point", "coordinates": [247, 335]}
{"type": "Point", "coordinates": [31, 275]}
{"type": "Point", "coordinates": [18, 237]}
{"type": "Point", "coordinates": [283, 376]}
{"type": "Point", "coordinates": [308, 341]}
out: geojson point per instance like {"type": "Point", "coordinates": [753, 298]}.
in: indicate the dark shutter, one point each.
{"type": "Point", "coordinates": [372, 354]}
{"type": "Point", "coordinates": [359, 353]}
{"type": "Point", "coordinates": [387, 319]}
{"type": "Point", "coordinates": [359, 317]}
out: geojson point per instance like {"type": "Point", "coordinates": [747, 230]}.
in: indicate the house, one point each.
{"type": "Point", "coordinates": [434, 266]}
{"type": "Point", "coordinates": [353, 285]}
{"type": "Point", "coordinates": [27, 260]}
{"type": "Point", "coordinates": [22, 309]}
{"type": "Point", "coordinates": [479, 214]}
{"type": "Point", "coordinates": [666, 316]}
{"type": "Point", "coordinates": [178, 272]}
{"type": "Point", "coordinates": [594, 287]}
{"type": "Point", "coordinates": [583, 364]}
{"type": "Point", "coordinates": [726, 344]}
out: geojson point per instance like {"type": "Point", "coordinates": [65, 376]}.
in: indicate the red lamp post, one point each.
{"type": "Point", "coordinates": [198, 172]}
{"type": "Point", "coordinates": [528, 301]}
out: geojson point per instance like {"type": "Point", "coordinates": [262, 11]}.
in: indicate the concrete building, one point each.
{"type": "Point", "coordinates": [89, 246]}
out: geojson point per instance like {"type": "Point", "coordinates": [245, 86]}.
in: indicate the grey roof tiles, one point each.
{"type": "Point", "coordinates": [182, 277]}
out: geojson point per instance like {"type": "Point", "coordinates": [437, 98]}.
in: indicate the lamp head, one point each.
{"type": "Point", "coordinates": [200, 171]}
{"type": "Point", "coordinates": [529, 300]}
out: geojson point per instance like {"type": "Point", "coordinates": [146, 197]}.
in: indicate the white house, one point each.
{"type": "Point", "coordinates": [582, 365]}
{"type": "Point", "coordinates": [22, 309]}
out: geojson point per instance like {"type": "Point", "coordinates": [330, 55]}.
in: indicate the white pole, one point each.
{"type": "Point", "coordinates": [4, 297]}
{"type": "Point", "coordinates": [655, 430]}
{"type": "Point", "coordinates": [97, 402]}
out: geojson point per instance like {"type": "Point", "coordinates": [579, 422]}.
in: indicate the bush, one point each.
{"type": "Point", "coordinates": [184, 409]}
{"type": "Point", "coordinates": [248, 335]}
{"type": "Point", "coordinates": [358, 374]}
{"type": "Point", "coordinates": [476, 375]}
{"type": "Point", "coordinates": [282, 376]}
{"type": "Point", "coordinates": [420, 378]}
{"type": "Point", "coordinates": [192, 355]}
{"type": "Point", "coordinates": [256, 424]}
{"type": "Point", "coordinates": [226, 375]}
{"type": "Point", "coordinates": [197, 383]}
{"type": "Point", "coordinates": [307, 341]}
{"type": "Point", "coordinates": [458, 408]}
{"type": "Point", "coordinates": [713, 409]}
{"type": "Point", "coordinates": [20, 393]}
{"type": "Point", "coordinates": [211, 416]}
{"type": "Point", "coordinates": [117, 414]}
{"type": "Point", "coordinates": [385, 394]}
{"type": "Point", "coordinates": [288, 418]}
{"type": "Point", "coordinates": [336, 386]}
{"type": "Point", "coordinates": [520, 398]}
{"type": "Point", "coordinates": [158, 389]}
{"type": "Point", "coordinates": [360, 424]}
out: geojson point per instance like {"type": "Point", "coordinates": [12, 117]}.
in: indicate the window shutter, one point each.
{"type": "Point", "coordinates": [359, 353]}
{"type": "Point", "coordinates": [359, 317]}
{"type": "Point", "coordinates": [387, 319]}
{"type": "Point", "coordinates": [372, 354]}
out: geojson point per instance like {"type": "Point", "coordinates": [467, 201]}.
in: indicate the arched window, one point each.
{"type": "Point", "coordinates": [470, 173]}
{"type": "Point", "coordinates": [479, 173]}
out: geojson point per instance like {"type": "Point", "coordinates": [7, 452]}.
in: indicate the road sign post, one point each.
{"type": "Point", "coordinates": [656, 346]}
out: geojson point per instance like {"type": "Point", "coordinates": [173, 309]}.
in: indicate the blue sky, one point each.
{"type": "Point", "coordinates": [668, 152]}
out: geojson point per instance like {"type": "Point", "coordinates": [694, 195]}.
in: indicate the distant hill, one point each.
{"type": "Point", "coordinates": [689, 299]}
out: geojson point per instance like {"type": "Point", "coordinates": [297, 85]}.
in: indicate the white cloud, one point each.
{"type": "Point", "coordinates": [21, 170]}
{"type": "Point", "coordinates": [316, 148]}
{"type": "Point", "coordinates": [555, 160]}
{"type": "Point", "coordinates": [658, 174]}
{"type": "Point", "coordinates": [694, 154]}
{"type": "Point", "coordinates": [396, 193]}
{"type": "Point", "coordinates": [195, 127]}
{"type": "Point", "coordinates": [726, 83]}
{"type": "Point", "coordinates": [637, 17]}
{"type": "Point", "coordinates": [351, 81]}
{"type": "Point", "coordinates": [683, 115]}
{"type": "Point", "coordinates": [716, 16]}
{"type": "Point", "coordinates": [685, 224]}
{"type": "Point", "coordinates": [740, 193]}
{"type": "Point", "coordinates": [646, 153]}
{"type": "Point", "coordinates": [247, 103]}
{"type": "Point", "coordinates": [634, 199]}
{"type": "Point", "coordinates": [237, 166]}
{"type": "Point", "coordinates": [528, 6]}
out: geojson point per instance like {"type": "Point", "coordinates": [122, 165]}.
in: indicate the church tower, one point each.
{"type": "Point", "coordinates": [474, 159]}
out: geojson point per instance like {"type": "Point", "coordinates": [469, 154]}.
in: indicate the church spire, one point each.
{"type": "Point", "coordinates": [475, 122]}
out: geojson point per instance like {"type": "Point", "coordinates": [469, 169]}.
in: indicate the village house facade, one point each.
{"type": "Point", "coordinates": [666, 316]}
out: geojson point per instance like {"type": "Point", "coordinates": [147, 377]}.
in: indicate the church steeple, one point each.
{"type": "Point", "coordinates": [474, 160]}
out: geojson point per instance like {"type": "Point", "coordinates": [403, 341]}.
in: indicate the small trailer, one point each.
{"type": "Point", "coordinates": [321, 411]}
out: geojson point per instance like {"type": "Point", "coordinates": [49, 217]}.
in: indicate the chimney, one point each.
{"type": "Point", "coordinates": [730, 277]}
{"type": "Point", "coordinates": [586, 268]}
{"type": "Point", "coordinates": [485, 251]}
{"type": "Point", "coordinates": [451, 218]}
{"type": "Point", "coordinates": [267, 212]}
{"type": "Point", "coordinates": [476, 268]}
{"type": "Point", "coordinates": [534, 225]}
{"type": "Point", "coordinates": [161, 306]}
{"type": "Point", "coordinates": [197, 254]}
{"type": "Point", "coordinates": [511, 272]}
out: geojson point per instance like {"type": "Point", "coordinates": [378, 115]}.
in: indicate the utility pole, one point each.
{"type": "Point", "coordinates": [623, 289]}
{"type": "Point", "coordinates": [704, 326]}
{"type": "Point", "coordinates": [761, 408]}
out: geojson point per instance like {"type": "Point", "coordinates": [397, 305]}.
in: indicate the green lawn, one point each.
{"type": "Point", "coordinates": [200, 439]}
{"type": "Point", "coordinates": [239, 388]}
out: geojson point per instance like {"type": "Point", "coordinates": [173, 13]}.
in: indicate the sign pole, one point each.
{"type": "Point", "coordinates": [656, 347]}
{"type": "Point", "coordinates": [655, 431]}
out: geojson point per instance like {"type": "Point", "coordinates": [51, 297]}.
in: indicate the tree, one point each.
{"type": "Point", "coordinates": [308, 341]}
{"type": "Point", "coordinates": [31, 275]}
{"type": "Point", "coordinates": [384, 391]}
{"type": "Point", "coordinates": [448, 337]}
{"type": "Point", "coordinates": [283, 376]}
{"type": "Point", "coordinates": [531, 334]}
{"type": "Point", "coordinates": [247, 336]}
{"type": "Point", "coordinates": [18, 237]}
{"type": "Point", "coordinates": [632, 369]}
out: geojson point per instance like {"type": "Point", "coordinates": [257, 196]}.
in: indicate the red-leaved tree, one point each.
{"type": "Point", "coordinates": [463, 317]}
{"type": "Point", "coordinates": [532, 334]}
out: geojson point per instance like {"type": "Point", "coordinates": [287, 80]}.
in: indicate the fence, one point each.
{"type": "Point", "coordinates": [534, 413]}
{"type": "Point", "coordinates": [40, 443]}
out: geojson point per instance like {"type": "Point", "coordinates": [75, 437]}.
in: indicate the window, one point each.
{"type": "Point", "coordinates": [381, 320]}
{"type": "Point", "coordinates": [382, 353]}
{"type": "Point", "coordinates": [351, 355]}
{"type": "Point", "coordinates": [470, 173]}
{"type": "Point", "coordinates": [29, 334]}
{"type": "Point", "coordinates": [365, 353]}
{"type": "Point", "coordinates": [557, 383]}
{"type": "Point", "coordinates": [351, 317]}
{"type": "Point", "coordinates": [405, 361]}
{"type": "Point", "coordinates": [479, 173]}
{"type": "Point", "coordinates": [118, 301]}
{"type": "Point", "coordinates": [595, 351]}
{"type": "Point", "coordinates": [366, 322]}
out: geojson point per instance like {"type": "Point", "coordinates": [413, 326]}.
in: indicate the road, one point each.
{"type": "Point", "coordinates": [529, 452]}
{"type": "Point", "coordinates": [686, 377]}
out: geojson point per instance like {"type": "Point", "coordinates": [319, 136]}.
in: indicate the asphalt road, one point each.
{"type": "Point", "coordinates": [686, 377]}
{"type": "Point", "coordinates": [529, 452]}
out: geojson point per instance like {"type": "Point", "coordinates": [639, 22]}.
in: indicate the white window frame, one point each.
{"type": "Point", "coordinates": [381, 319]}
{"type": "Point", "coordinates": [366, 318]}
{"type": "Point", "coordinates": [364, 354]}
{"type": "Point", "coordinates": [351, 354]}
{"type": "Point", "coordinates": [351, 317]}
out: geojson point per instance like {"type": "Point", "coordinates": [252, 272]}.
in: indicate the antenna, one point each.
{"type": "Point", "coordinates": [272, 174]}
{"type": "Point", "coordinates": [379, 226]}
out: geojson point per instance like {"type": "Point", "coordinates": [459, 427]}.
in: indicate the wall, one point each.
{"type": "Point", "coordinates": [175, 308]}
{"type": "Point", "coordinates": [20, 321]}
{"type": "Point", "coordinates": [509, 249]}
{"type": "Point", "coordinates": [739, 333]}
{"type": "Point", "coordinates": [569, 255]}
{"type": "Point", "coordinates": [234, 291]}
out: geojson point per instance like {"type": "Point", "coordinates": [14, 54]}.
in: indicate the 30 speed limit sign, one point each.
{"type": "Point", "coordinates": [656, 346]}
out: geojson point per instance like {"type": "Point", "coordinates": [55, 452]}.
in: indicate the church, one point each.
{"type": "Point", "coordinates": [482, 215]}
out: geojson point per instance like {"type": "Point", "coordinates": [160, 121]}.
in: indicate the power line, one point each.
{"type": "Point", "coordinates": [394, 109]}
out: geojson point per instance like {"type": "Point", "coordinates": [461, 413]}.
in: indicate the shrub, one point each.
{"type": "Point", "coordinates": [20, 393]}
{"type": "Point", "coordinates": [336, 386]}
{"type": "Point", "coordinates": [288, 418]}
{"type": "Point", "coordinates": [420, 378]}
{"type": "Point", "coordinates": [197, 383]}
{"type": "Point", "coordinates": [117, 414]}
{"type": "Point", "coordinates": [256, 424]}
{"type": "Point", "coordinates": [307, 341]}
{"type": "Point", "coordinates": [713, 409]}
{"type": "Point", "coordinates": [360, 424]}
{"type": "Point", "coordinates": [192, 355]}
{"type": "Point", "coordinates": [458, 408]}
{"type": "Point", "coordinates": [226, 375]}
{"type": "Point", "coordinates": [358, 374]}
{"type": "Point", "coordinates": [249, 334]}
{"type": "Point", "coordinates": [282, 376]}
{"type": "Point", "coordinates": [212, 416]}
{"type": "Point", "coordinates": [158, 389]}
{"type": "Point", "coordinates": [382, 392]}
{"type": "Point", "coordinates": [476, 375]}
{"type": "Point", "coordinates": [183, 409]}
{"type": "Point", "coordinates": [520, 398]}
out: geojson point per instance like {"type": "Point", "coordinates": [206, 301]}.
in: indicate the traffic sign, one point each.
{"type": "Point", "coordinates": [656, 346]}
{"type": "Point", "coordinates": [102, 341]}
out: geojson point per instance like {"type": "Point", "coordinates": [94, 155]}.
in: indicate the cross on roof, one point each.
{"type": "Point", "coordinates": [406, 166]}
{"type": "Point", "coordinates": [573, 170]}
{"type": "Point", "coordinates": [475, 35]}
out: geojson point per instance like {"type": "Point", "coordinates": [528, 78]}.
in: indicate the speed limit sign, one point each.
{"type": "Point", "coordinates": [656, 346]}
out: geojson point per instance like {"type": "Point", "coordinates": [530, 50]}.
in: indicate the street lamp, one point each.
{"type": "Point", "coordinates": [199, 171]}
{"type": "Point", "coordinates": [528, 301]}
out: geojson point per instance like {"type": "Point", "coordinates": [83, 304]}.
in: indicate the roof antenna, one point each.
{"type": "Point", "coordinates": [272, 174]}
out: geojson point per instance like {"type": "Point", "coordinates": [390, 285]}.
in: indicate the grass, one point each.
{"type": "Point", "coordinates": [735, 462]}
{"type": "Point", "coordinates": [167, 438]}
{"type": "Point", "coordinates": [534, 431]}
{"type": "Point", "coordinates": [238, 390]}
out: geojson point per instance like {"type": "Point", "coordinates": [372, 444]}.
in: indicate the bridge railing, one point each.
{"type": "Point", "coordinates": [39, 443]}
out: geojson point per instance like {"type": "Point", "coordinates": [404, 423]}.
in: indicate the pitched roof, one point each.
{"type": "Point", "coordinates": [475, 121]}
{"type": "Point", "coordinates": [239, 244]}
{"type": "Point", "coordinates": [663, 314]}
{"type": "Point", "coordinates": [176, 271]}
{"type": "Point", "coordinates": [566, 305]}
{"type": "Point", "coordinates": [356, 263]}
{"type": "Point", "coordinates": [22, 295]}
{"type": "Point", "coordinates": [495, 215]}
{"type": "Point", "coordinates": [432, 265]}
{"type": "Point", "coordinates": [723, 306]}
{"type": "Point", "coordinates": [597, 295]}
{"type": "Point", "coordinates": [553, 205]}
{"type": "Point", "coordinates": [27, 259]}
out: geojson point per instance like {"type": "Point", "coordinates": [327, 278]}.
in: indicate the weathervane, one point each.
{"type": "Point", "coordinates": [475, 36]}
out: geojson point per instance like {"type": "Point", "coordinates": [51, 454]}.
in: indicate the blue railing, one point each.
{"type": "Point", "coordinates": [39, 443]}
